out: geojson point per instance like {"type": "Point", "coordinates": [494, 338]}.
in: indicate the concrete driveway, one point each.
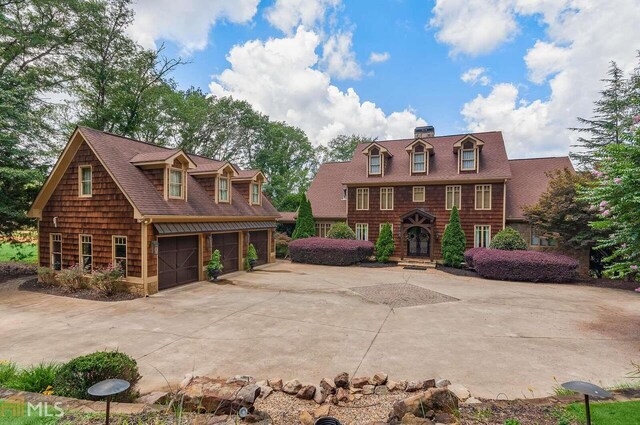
{"type": "Point", "coordinates": [307, 322]}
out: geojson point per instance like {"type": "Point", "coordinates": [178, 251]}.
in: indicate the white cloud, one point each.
{"type": "Point", "coordinates": [286, 15]}
{"type": "Point", "coordinates": [473, 26]}
{"type": "Point", "coordinates": [187, 24]}
{"type": "Point", "coordinates": [280, 77]}
{"type": "Point", "coordinates": [376, 57]}
{"type": "Point", "coordinates": [338, 59]}
{"type": "Point", "coordinates": [475, 76]}
{"type": "Point", "coordinates": [580, 42]}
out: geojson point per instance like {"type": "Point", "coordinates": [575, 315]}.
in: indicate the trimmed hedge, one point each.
{"type": "Point", "coordinates": [527, 266]}
{"type": "Point", "coordinates": [330, 252]}
{"type": "Point", "coordinates": [469, 254]}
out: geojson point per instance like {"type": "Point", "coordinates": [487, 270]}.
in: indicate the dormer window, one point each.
{"type": "Point", "coordinates": [255, 193]}
{"type": "Point", "coordinates": [223, 189]}
{"type": "Point", "coordinates": [419, 152]}
{"type": "Point", "coordinates": [418, 161]}
{"type": "Point", "coordinates": [374, 161]}
{"type": "Point", "coordinates": [468, 156]}
{"type": "Point", "coordinates": [176, 184]}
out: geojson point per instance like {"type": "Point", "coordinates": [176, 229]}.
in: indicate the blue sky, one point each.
{"type": "Point", "coordinates": [307, 62]}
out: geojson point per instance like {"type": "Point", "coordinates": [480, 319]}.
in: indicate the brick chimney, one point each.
{"type": "Point", "coordinates": [424, 132]}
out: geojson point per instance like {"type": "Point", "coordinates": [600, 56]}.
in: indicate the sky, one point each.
{"type": "Point", "coordinates": [380, 68]}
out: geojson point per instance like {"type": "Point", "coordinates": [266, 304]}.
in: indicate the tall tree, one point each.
{"type": "Point", "coordinates": [610, 121]}
{"type": "Point", "coordinates": [341, 147]}
{"type": "Point", "coordinates": [305, 225]}
{"type": "Point", "coordinates": [453, 241]}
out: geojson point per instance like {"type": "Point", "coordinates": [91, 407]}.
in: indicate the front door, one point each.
{"type": "Point", "coordinates": [418, 242]}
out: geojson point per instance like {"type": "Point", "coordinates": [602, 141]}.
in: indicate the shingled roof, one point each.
{"type": "Point", "coordinates": [443, 166]}
{"type": "Point", "coordinates": [529, 180]}
{"type": "Point", "coordinates": [326, 191]}
{"type": "Point", "coordinates": [116, 153]}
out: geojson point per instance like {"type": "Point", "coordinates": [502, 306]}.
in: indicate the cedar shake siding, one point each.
{"type": "Point", "coordinates": [434, 204]}
{"type": "Point", "coordinates": [105, 214]}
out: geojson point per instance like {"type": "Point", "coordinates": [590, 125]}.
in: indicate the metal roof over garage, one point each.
{"type": "Point", "coordinates": [177, 228]}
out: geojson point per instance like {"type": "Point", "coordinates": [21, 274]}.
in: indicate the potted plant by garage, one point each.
{"type": "Point", "coordinates": [214, 268]}
{"type": "Point", "coordinates": [252, 257]}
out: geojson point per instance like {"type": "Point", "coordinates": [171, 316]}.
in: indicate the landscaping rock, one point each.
{"type": "Point", "coordinates": [436, 399]}
{"type": "Point", "coordinates": [368, 389]}
{"type": "Point", "coordinates": [379, 378]}
{"type": "Point", "coordinates": [204, 394]}
{"type": "Point", "coordinates": [242, 379]}
{"type": "Point", "coordinates": [392, 385]}
{"type": "Point", "coordinates": [306, 418]}
{"type": "Point", "coordinates": [381, 390]}
{"type": "Point", "coordinates": [460, 391]}
{"type": "Point", "coordinates": [320, 396]}
{"type": "Point", "coordinates": [413, 386]}
{"type": "Point", "coordinates": [186, 381]}
{"type": "Point", "coordinates": [444, 418]}
{"type": "Point", "coordinates": [342, 380]}
{"type": "Point", "coordinates": [411, 419]}
{"type": "Point", "coordinates": [276, 384]}
{"type": "Point", "coordinates": [472, 400]}
{"type": "Point", "coordinates": [262, 383]}
{"type": "Point", "coordinates": [265, 391]}
{"type": "Point", "coordinates": [328, 386]}
{"type": "Point", "coordinates": [429, 383]}
{"type": "Point", "coordinates": [322, 411]}
{"type": "Point", "coordinates": [307, 392]}
{"type": "Point", "coordinates": [402, 385]}
{"type": "Point", "coordinates": [355, 390]}
{"type": "Point", "coordinates": [441, 383]}
{"type": "Point", "coordinates": [360, 381]}
{"type": "Point", "coordinates": [292, 387]}
{"type": "Point", "coordinates": [342, 394]}
{"type": "Point", "coordinates": [156, 397]}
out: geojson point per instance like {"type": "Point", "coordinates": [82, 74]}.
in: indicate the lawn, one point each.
{"type": "Point", "coordinates": [24, 252]}
{"type": "Point", "coordinates": [618, 413]}
{"type": "Point", "coordinates": [6, 417]}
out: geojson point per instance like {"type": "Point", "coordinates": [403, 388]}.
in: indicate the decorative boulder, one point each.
{"type": "Point", "coordinates": [210, 395]}
{"type": "Point", "coordinates": [436, 399]}
{"type": "Point", "coordinates": [292, 387]}
{"type": "Point", "coordinates": [342, 380]}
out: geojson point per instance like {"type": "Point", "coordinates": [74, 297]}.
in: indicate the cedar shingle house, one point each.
{"type": "Point", "coordinates": [158, 212]}
{"type": "Point", "coordinates": [414, 183]}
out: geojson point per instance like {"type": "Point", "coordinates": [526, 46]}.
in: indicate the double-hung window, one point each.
{"type": "Point", "coordinates": [86, 253]}
{"type": "Point", "coordinates": [482, 236]}
{"type": "Point", "coordinates": [223, 189]}
{"type": "Point", "coordinates": [418, 163]}
{"type": "Point", "coordinates": [418, 193]}
{"type": "Point", "coordinates": [537, 240]}
{"type": "Point", "coordinates": [374, 164]}
{"type": "Point", "coordinates": [468, 156]}
{"type": "Point", "coordinates": [120, 252]}
{"type": "Point", "coordinates": [322, 229]}
{"type": "Point", "coordinates": [386, 198]}
{"type": "Point", "coordinates": [85, 177]}
{"type": "Point", "coordinates": [453, 197]}
{"type": "Point", "coordinates": [362, 198]}
{"type": "Point", "coordinates": [176, 183]}
{"type": "Point", "coordinates": [362, 231]}
{"type": "Point", "coordinates": [255, 193]}
{"type": "Point", "coordinates": [56, 251]}
{"type": "Point", "coordinates": [483, 196]}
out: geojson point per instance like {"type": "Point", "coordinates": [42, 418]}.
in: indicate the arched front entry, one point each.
{"type": "Point", "coordinates": [417, 234]}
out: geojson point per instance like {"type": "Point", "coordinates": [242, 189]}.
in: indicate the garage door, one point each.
{"type": "Point", "coordinates": [260, 241]}
{"type": "Point", "coordinates": [177, 261]}
{"type": "Point", "coordinates": [227, 243]}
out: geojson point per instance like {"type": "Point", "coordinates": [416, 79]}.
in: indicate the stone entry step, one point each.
{"type": "Point", "coordinates": [417, 264]}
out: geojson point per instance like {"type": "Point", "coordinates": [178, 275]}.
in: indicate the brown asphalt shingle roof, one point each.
{"type": "Point", "coordinates": [154, 156]}
{"type": "Point", "coordinates": [116, 153]}
{"type": "Point", "coordinates": [326, 190]}
{"type": "Point", "coordinates": [443, 164]}
{"type": "Point", "coordinates": [529, 181]}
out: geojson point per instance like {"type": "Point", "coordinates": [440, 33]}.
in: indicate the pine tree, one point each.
{"type": "Point", "coordinates": [453, 241]}
{"type": "Point", "coordinates": [384, 244]}
{"type": "Point", "coordinates": [610, 121]}
{"type": "Point", "coordinates": [305, 226]}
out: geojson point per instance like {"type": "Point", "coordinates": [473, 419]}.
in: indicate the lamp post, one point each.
{"type": "Point", "coordinates": [587, 389]}
{"type": "Point", "coordinates": [108, 388]}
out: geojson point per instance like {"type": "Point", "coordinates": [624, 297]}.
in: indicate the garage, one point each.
{"type": "Point", "coordinates": [227, 244]}
{"type": "Point", "coordinates": [177, 261]}
{"type": "Point", "coordinates": [260, 241]}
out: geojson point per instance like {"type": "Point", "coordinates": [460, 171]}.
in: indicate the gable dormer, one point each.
{"type": "Point", "coordinates": [377, 158]}
{"type": "Point", "coordinates": [468, 151]}
{"type": "Point", "coordinates": [249, 184]}
{"type": "Point", "coordinates": [167, 170]}
{"type": "Point", "coordinates": [223, 183]}
{"type": "Point", "coordinates": [420, 152]}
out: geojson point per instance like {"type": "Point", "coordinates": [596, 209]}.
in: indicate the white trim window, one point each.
{"type": "Point", "coordinates": [362, 231]}
{"type": "Point", "coordinates": [223, 189]}
{"type": "Point", "coordinates": [176, 183]}
{"type": "Point", "coordinates": [120, 252]}
{"type": "Point", "coordinates": [255, 193]}
{"type": "Point", "coordinates": [85, 180]}
{"type": "Point", "coordinates": [419, 193]}
{"type": "Point", "coordinates": [468, 156]}
{"type": "Point", "coordinates": [55, 246]}
{"type": "Point", "coordinates": [386, 198]}
{"type": "Point", "coordinates": [86, 253]}
{"type": "Point", "coordinates": [375, 163]}
{"type": "Point", "coordinates": [382, 224]}
{"type": "Point", "coordinates": [453, 197]}
{"type": "Point", "coordinates": [482, 236]}
{"type": "Point", "coordinates": [362, 198]}
{"type": "Point", "coordinates": [483, 196]}
{"type": "Point", "coordinates": [419, 162]}
{"type": "Point", "coordinates": [322, 229]}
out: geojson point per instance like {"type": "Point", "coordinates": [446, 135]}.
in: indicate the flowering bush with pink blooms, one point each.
{"type": "Point", "coordinates": [330, 252]}
{"type": "Point", "coordinates": [527, 266]}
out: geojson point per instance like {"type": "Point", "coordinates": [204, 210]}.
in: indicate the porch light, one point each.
{"type": "Point", "coordinates": [154, 247]}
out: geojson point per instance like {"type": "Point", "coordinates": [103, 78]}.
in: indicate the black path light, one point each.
{"type": "Point", "coordinates": [327, 420]}
{"type": "Point", "coordinates": [108, 388]}
{"type": "Point", "coordinates": [588, 389]}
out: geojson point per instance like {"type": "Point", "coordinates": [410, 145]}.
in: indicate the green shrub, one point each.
{"type": "Point", "coordinates": [341, 230]}
{"type": "Point", "coordinates": [384, 244]}
{"type": "Point", "coordinates": [47, 276]}
{"type": "Point", "coordinates": [108, 281]}
{"type": "Point", "coordinates": [215, 263]}
{"type": "Point", "coordinates": [76, 376]}
{"type": "Point", "coordinates": [508, 239]}
{"type": "Point", "coordinates": [8, 371]}
{"type": "Point", "coordinates": [36, 379]}
{"type": "Point", "coordinates": [453, 241]}
{"type": "Point", "coordinates": [72, 278]}
{"type": "Point", "coordinates": [251, 255]}
{"type": "Point", "coordinates": [282, 245]}
{"type": "Point", "coordinates": [305, 226]}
